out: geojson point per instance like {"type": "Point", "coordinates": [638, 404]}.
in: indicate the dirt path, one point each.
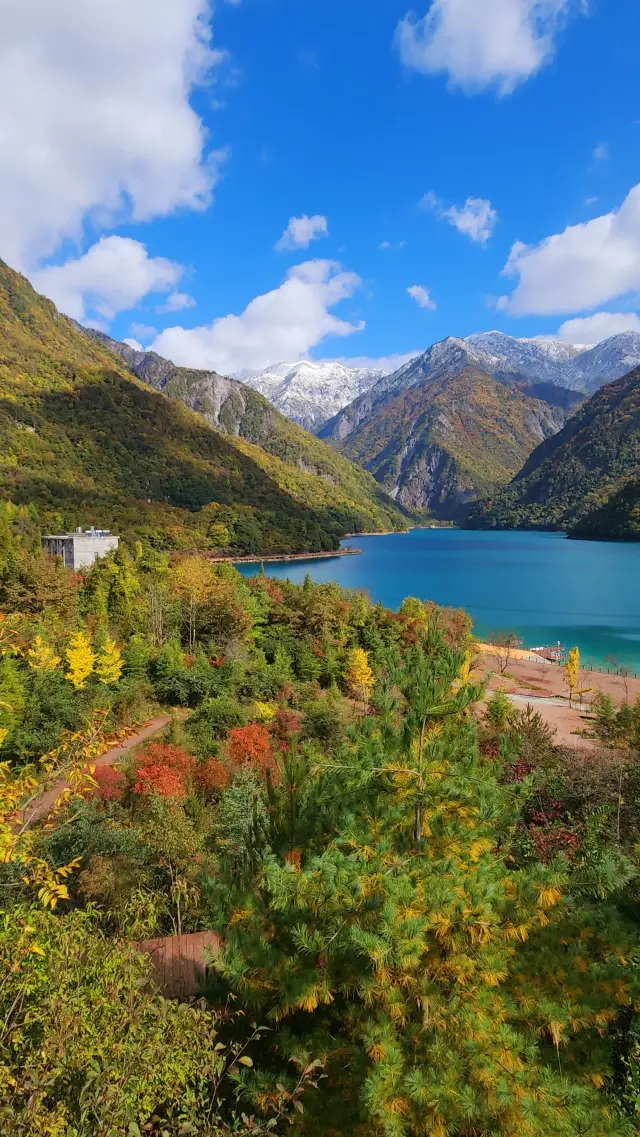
{"type": "Point", "coordinates": [44, 804]}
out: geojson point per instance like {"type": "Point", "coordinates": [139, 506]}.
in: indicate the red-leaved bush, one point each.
{"type": "Point", "coordinates": [212, 775]}
{"type": "Point", "coordinates": [163, 769]}
{"type": "Point", "coordinates": [285, 723]}
{"type": "Point", "coordinates": [111, 783]}
{"type": "Point", "coordinates": [251, 746]}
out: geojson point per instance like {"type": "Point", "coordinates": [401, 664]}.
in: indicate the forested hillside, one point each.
{"type": "Point", "coordinates": [585, 479]}
{"type": "Point", "coordinates": [83, 440]}
{"type": "Point", "coordinates": [445, 442]}
{"type": "Point", "coordinates": [421, 914]}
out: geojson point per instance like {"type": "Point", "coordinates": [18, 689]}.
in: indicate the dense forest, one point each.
{"type": "Point", "coordinates": [85, 441]}
{"type": "Point", "coordinates": [586, 479]}
{"type": "Point", "coordinates": [426, 911]}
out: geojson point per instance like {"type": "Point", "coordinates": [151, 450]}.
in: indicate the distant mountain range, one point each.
{"type": "Point", "coordinates": [312, 392]}
{"type": "Point", "coordinates": [457, 422]}
{"type": "Point", "coordinates": [585, 479]}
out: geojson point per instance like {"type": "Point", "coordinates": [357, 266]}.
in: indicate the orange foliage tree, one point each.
{"type": "Point", "coordinates": [163, 769]}
{"type": "Point", "coordinates": [251, 746]}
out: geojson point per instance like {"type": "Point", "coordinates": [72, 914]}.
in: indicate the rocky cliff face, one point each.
{"type": "Point", "coordinates": [225, 403]}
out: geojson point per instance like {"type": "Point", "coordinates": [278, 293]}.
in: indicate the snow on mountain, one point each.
{"type": "Point", "coordinates": [311, 392]}
{"type": "Point", "coordinates": [572, 366]}
{"type": "Point", "coordinates": [604, 363]}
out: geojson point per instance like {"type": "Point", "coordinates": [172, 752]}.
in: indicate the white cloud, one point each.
{"type": "Point", "coordinates": [386, 363]}
{"type": "Point", "coordinates": [391, 245]}
{"type": "Point", "coordinates": [282, 324]}
{"type": "Point", "coordinates": [301, 231]}
{"type": "Point", "coordinates": [590, 200]}
{"type": "Point", "coordinates": [384, 245]}
{"type": "Point", "coordinates": [133, 343]}
{"type": "Point", "coordinates": [95, 120]}
{"type": "Point", "coordinates": [113, 276]}
{"type": "Point", "coordinates": [594, 329]}
{"type": "Point", "coordinates": [476, 218]}
{"type": "Point", "coordinates": [483, 43]}
{"type": "Point", "coordinates": [581, 268]}
{"type": "Point", "coordinates": [422, 296]}
{"type": "Point", "coordinates": [143, 331]}
{"type": "Point", "coordinates": [601, 153]}
{"type": "Point", "coordinates": [176, 302]}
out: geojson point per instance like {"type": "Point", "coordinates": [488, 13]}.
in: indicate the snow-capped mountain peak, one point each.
{"type": "Point", "coordinates": [310, 391]}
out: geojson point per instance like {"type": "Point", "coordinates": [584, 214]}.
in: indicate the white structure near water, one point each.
{"type": "Point", "coordinates": [80, 550]}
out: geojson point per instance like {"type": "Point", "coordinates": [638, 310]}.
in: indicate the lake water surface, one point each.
{"type": "Point", "coordinates": [539, 585]}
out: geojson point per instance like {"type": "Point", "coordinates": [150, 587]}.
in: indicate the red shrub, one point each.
{"type": "Point", "coordinates": [212, 775]}
{"type": "Point", "coordinates": [164, 769]}
{"type": "Point", "coordinates": [285, 724]}
{"type": "Point", "coordinates": [251, 745]}
{"type": "Point", "coordinates": [111, 783]}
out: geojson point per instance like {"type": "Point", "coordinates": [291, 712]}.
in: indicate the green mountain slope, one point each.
{"type": "Point", "coordinates": [442, 444]}
{"type": "Point", "coordinates": [586, 479]}
{"type": "Point", "coordinates": [86, 441]}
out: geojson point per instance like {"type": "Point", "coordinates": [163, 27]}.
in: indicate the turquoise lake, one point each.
{"type": "Point", "coordinates": [539, 585]}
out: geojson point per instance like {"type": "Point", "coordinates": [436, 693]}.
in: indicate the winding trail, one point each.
{"type": "Point", "coordinates": [44, 804]}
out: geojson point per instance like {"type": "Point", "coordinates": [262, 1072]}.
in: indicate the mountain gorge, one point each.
{"type": "Point", "coordinates": [84, 439]}
{"type": "Point", "coordinates": [440, 445]}
{"type": "Point", "coordinates": [585, 479]}
{"type": "Point", "coordinates": [459, 421]}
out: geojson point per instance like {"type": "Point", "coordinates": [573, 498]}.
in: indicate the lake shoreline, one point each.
{"type": "Point", "coordinates": [277, 558]}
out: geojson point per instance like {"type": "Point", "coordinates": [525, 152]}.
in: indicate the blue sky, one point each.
{"type": "Point", "coordinates": [462, 138]}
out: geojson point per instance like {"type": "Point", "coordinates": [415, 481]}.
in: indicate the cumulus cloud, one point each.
{"type": "Point", "coordinates": [483, 43]}
{"type": "Point", "coordinates": [301, 231]}
{"type": "Point", "coordinates": [113, 276]}
{"type": "Point", "coordinates": [422, 296]}
{"type": "Point", "coordinates": [282, 324]}
{"type": "Point", "coordinates": [95, 119]}
{"type": "Point", "coordinates": [581, 268]}
{"type": "Point", "coordinates": [601, 153]}
{"type": "Point", "coordinates": [176, 302]}
{"type": "Point", "coordinates": [594, 329]}
{"type": "Point", "coordinates": [391, 245]}
{"type": "Point", "coordinates": [143, 331]}
{"type": "Point", "coordinates": [476, 218]}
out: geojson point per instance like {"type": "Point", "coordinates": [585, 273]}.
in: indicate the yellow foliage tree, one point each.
{"type": "Point", "coordinates": [192, 581]}
{"type": "Point", "coordinates": [109, 663]}
{"type": "Point", "coordinates": [41, 657]}
{"type": "Point", "coordinates": [358, 675]}
{"type": "Point", "coordinates": [39, 793]}
{"type": "Point", "coordinates": [81, 660]}
{"type": "Point", "coordinates": [572, 671]}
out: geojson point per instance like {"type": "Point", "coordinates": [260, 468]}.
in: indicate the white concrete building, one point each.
{"type": "Point", "coordinates": [80, 549]}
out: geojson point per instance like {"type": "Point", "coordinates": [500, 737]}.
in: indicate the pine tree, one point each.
{"type": "Point", "coordinates": [81, 660]}
{"type": "Point", "coordinates": [109, 663]}
{"type": "Point", "coordinates": [451, 993]}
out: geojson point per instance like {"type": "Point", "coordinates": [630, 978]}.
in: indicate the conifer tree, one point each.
{"type": "Point", "coordinates": [451, 993]}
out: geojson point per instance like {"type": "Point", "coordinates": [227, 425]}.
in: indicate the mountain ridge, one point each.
{"type": "Point", "coordinates": [83, 439]}
{"type": "Point", "coordinates": [585, 479]}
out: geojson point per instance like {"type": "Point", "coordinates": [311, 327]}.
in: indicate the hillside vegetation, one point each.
{"type": "Point", "coordinates": [586, 479]}
{"type": "Point", "coordinates": [444, 443]}
{"type": "Point", "coordinates": [84, 440]}
{"type": "Point", "coordinates": [422, 915]}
